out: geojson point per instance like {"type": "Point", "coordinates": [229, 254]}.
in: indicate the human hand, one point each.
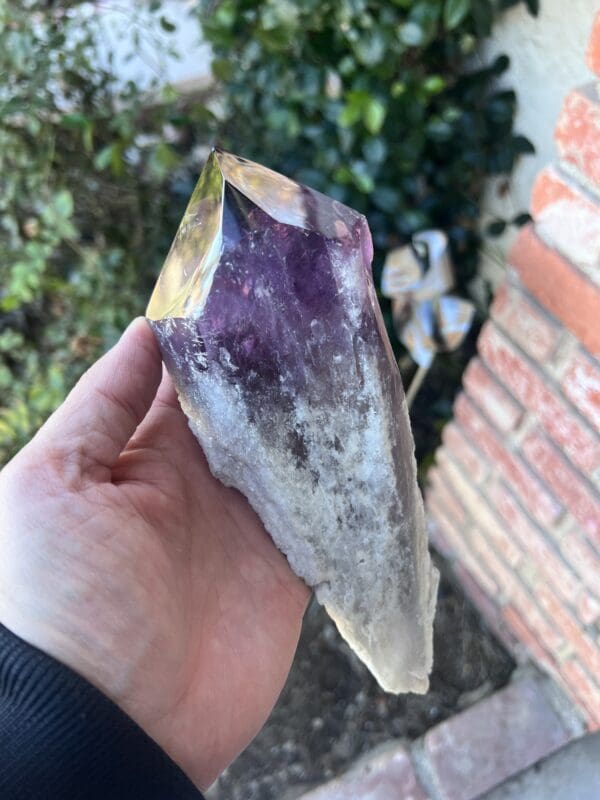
{"type": "Point", "coordinates": [125, 559]}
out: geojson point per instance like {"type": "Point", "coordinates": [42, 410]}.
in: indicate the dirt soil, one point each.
{"type": "Point", "coordinates": [331, 709]}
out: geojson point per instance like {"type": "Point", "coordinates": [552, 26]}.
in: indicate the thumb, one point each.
{"type": "Point", "coordinates": [93, 425]}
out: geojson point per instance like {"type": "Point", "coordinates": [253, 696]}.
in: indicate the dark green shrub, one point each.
{"type": "Point", "coordinates": [373, 101]}
{"type": "Point", "coordinates": [87, 206]}
{"type": "Point", "coordinates": [380, 103]}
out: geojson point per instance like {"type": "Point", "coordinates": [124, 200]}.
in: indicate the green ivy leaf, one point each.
{"type": "Point", "coordinates": [455, 11]}
{"type": "Point", "coordinates": [398, 89]}
{"type": "Point", "coordinates": [483, 17]}
{"type": "Point", "coordinates": [501, 107]}
{"type": "Point", "coordinates": [496, 228]}
{"type": "Point", "coordinates": [522, 219]}
{"type": "Point", "coordinates": [375, 150]}
{"type": "Point", "coordinates": [364, 183]}
{"type": "Point", "coordinates": [63, 203]}
{"type": "Point", "coordinates": [169, 94]}
{"type": "Point", "coordinates": [522, 146]}
{"type": "Point", "coordinates": [10, 340]}
{"type": "Point", "coordinates": [370, 49]}
{"type": "Point", "coordinates": [533, 7]}
{"type": "Point", "coordinates": [111, 156]}
{"type": "Point", "coordinates": [104, 157]}
{"type": "Point", "coordinates": [343, 174]}
{"type": "Point", "coordinates": [439, 130]}
{"type": "Point", "coordinates": [88, 138]}
{"type": "Point", "coordinates": [434, 84]}
{"type": "Point", "coordinates": [6, 379]}
{"type": "Point", "coordinates": [163, 160]}
{"type": "Point", "coordinates": [501, 64]}
{"type": "Point", "coordinates": [167, 25]}
{"type": "Point", "coordinates": [74, 120]}
{"type": "Point", "coordinates": [412, 35]}
{"type": "Point", "coordinates": [374, 116]}
{"type": "Point", "coordinates": [349, 115]}
{"type": "Point", "coordinates": [387, 199]}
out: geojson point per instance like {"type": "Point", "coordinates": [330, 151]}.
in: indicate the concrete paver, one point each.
{"type": "Point", "coordinates": [572, 773]}
{"type": "Point", "coordinates": [385, 775]}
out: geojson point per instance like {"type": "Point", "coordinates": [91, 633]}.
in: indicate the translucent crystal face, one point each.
{"type": "Point", "coordinates": [269, 324]}
{"type": "Point", "coordinates": [187, 274]}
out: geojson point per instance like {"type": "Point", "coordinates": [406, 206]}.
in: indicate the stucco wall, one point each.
{"type": "Point", "coordinates": [547, 60]}
{"type": "Point", "coordinates": [180, 57]}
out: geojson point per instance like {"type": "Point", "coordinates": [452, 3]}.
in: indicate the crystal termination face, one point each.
{"type": "Point", "coordinates": [269, 325]}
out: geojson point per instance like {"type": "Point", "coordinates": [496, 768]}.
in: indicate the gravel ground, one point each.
{"type": "Point", "coordinates": [331, 710]}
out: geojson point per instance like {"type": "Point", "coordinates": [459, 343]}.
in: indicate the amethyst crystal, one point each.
{"type": "Point", "coordinates": [269, 324]}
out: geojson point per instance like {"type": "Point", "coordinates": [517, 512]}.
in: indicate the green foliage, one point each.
{"type": "Point", "coordinates": [369, 101]}
{"type": "Point", "coordinates": [374, 102]}
{"type": "Point", "coordinates": [86, 207]}
{"type": "Point", "coordinates": [381, 104]}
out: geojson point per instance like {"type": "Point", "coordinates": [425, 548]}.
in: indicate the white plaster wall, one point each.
{"type": "Point", "coordinates": [180, 57]}
{"type": "Point", "coordinates": [547, 56]}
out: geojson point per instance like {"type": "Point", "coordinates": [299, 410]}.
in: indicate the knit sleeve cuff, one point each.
{"type": "Point", "coordinates": [62, 738]}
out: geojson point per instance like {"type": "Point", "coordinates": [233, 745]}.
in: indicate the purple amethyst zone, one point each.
{"type": "Point", "coordinates": [276, 323]}
{"type": "Point", "coordinates": [273, 282]}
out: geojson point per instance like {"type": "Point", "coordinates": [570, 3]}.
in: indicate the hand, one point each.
{"type": "Point", "coordinates": [125, 559]}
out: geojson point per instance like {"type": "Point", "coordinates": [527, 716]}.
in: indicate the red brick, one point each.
{"type": "Point", "coordinates": [445, 496]}
{"type": "Point", "coordinates": [385, 774]}
{"type": "Point", "coordinates": [489, 588]}
{"type": "Point", "coordinates": [504, 577]}
{"type": "Point", "coordinates": [532, 541]}
{"type": "Point", "coordinates": [494, 401]}
{"type": "Point", "coordinates": [582, 557]}
{"type": "Point", "coordinates": [588, 608]}
{"type": "Point", "coordinates": [547, 635]}
{"type": "Point", "coordinates": [481, 558]}
{"type": "Point", "coordinates": [443, 533]}
{"type": "Point", "coordinates": [560, 287]}
{"type": "Point", "coordinates": [576, 495]}
{"type": "Point", "coordinates": [581, 384]}
{"type": "Point", "coordinates": [514, 620]}
{"type": "Point", "coordinates": [536, 619]}
{"type": "Point", "coordinates": [469, 756]}
{"type": "Point", "coordinates": [542, 505]}
{"type": "Point", "coordinates": [462, 451]}
{"type": "Point", "coordinates": [533, 330]}
{"type": "Point", "coordinates": [550, 187]}
{"type": "Point", "coordinates": [592, 56]}
{"type": "Point", "coordinates": [568, 220]}
{"type": "Point", "coordinates": [577, 132]}
{"type": "Point", "coordinates": [582, 686]}
{"type": "Point", "coordinates": [479, 509]}
{"type": "Point", "coordinates": [535, 392]}
{"type": "Point", "coordinates": [569, 627]}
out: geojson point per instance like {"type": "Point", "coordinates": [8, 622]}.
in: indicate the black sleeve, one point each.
{"type": "Point", "coordinates": [62, 739]}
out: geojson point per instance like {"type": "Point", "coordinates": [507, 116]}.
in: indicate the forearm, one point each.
{"type": "Point", "coordinates": [62, 738]}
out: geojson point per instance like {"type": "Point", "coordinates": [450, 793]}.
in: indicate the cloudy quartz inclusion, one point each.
{"type": "Point", "coordinates": [269, 325]}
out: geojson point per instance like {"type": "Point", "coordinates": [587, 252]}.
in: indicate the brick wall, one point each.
{"type": "Point", "coordinates": [514, 497]}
